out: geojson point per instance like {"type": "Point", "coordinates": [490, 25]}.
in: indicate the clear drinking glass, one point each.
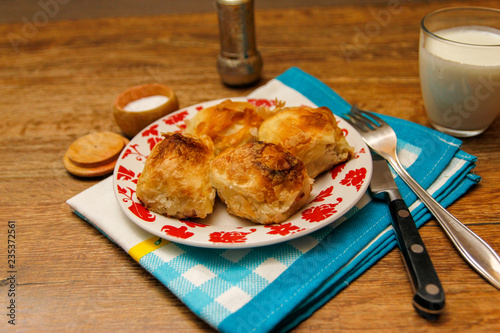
{"type": "Point", "coordinates": [459, 58]}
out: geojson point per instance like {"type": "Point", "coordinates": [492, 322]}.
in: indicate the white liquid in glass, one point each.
{"type": "Point", "coordinates": [461, 81]}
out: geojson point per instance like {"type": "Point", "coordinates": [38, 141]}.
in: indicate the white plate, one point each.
{"type": "Point", "coordinates": [334, 193]}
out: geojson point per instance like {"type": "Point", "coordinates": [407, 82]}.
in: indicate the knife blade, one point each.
{"type": "Point", "coordinates": [429, 298]}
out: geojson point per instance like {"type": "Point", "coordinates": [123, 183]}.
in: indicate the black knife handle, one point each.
{"type": "Point", "coordinates": [429, 294]}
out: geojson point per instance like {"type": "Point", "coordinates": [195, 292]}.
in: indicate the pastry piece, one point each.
{"type": "Point", "coordinates": [310, 134]}
{"type": "Point", "coordinates": [261, 182]}
{"type": "Point", "coordinates": [175, 181]}
{"type": "Point", "coordinates": [228, 124]}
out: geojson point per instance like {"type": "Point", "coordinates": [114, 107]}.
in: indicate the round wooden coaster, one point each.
{"type": "Point", "coordinates": [94, 154]}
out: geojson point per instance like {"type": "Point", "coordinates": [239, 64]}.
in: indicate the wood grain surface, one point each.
{"type": "Point", "coordinates": [58, 80]}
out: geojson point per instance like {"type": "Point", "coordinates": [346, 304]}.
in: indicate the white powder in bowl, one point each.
{"type": "Point", "coordinates": [146, 103]}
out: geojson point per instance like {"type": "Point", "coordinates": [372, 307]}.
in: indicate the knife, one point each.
{"type": "Point", "coordinates": [428, 299]}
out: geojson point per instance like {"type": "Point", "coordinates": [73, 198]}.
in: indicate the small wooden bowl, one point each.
{"type": "Point", "coordinates": [132, 122]}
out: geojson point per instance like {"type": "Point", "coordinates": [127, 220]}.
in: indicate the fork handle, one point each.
{"type": "Point", "coordinates": [475, 250]}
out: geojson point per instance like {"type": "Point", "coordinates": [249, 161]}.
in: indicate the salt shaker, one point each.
{"type": "Point", "coordinates": [239, 63]}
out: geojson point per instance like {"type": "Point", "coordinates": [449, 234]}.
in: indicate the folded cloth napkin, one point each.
{"type": "Point", "coordinates": [275, 287]}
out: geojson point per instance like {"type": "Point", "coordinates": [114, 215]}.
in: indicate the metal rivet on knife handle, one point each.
{"type": "Point", "coordinates": [404, 213]}
{"type": "Point", "coordinates": [432, 289]}
{"type": "Point", "coordinates": [417, 248]}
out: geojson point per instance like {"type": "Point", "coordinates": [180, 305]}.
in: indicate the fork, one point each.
{"type": "Point", "coordinates": [381, 138]}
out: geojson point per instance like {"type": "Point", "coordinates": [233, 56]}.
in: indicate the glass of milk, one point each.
{"type": "Point", "coordinates": [459, 58]}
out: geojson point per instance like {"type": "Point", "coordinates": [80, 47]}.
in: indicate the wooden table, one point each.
{"type": "Point", "coordinates": [57, 83]}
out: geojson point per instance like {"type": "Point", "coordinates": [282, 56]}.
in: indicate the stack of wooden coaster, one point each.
{"type": "Point", "coordinates": [94, 154]}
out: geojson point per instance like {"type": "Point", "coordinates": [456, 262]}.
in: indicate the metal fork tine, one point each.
{"type": "Point", "coordinates": [373, 124]}
{"type": "Point", "coordinates": [356, 123]}
{"type": "Point", "coordinates": [355, 109]}
{"type": "Point", "coordinates": [374, 117]}
{"type": "Point", "coordinates": [361, 117]}
{"type": "Point", "coordinates": [353, 123]}
{"type": "Point", "coordinates": [354, 116]}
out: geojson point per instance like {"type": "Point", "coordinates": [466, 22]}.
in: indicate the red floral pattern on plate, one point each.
{"type": "Point", "coordinates": [262, 102]}
{"type": "Point", "coordinates": [126, 174]}
{"type": "Point", "coordinates": [136, 208]}
{"type": "Point", "coordinates": [153, 141]}
{"type": "Point", "coordinates": [175, 118]}
{"type": "Point", "coordinates": [354, 178]}
{"type": "Point", "coordinates": [134, 151]}
{"type": "Point", "coordinates": [283, 229]}
{"type": "Point", "coordinates": [321, 212]}
{"type": "Point", "coordinates": [334, 193]}
{"type": "Point", "coordinates": [153, 130]}
{"type": "Point", "coordinates": [192, 224]}
{"type": "Point", "coordinates": [178, 232]}
{"type": "Point", "coordinates": [230, 236]}
{"type": "Point", "coordinates": [323, 194]}
{"type": "Point", "coordinates": [334, 172]}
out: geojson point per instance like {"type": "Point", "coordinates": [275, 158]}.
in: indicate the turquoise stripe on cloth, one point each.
{"type": "Point", "coordinates": [274, 288]}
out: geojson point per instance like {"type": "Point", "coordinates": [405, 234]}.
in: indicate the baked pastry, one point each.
{"type": "Point", "coordinates": [261, 182]}
{"type": "Point", "coordinates": [310, 134]}
{"type": "Point", "coordinates": [175, 181]}
{"type": "Point", "coordinates": [228, 124]}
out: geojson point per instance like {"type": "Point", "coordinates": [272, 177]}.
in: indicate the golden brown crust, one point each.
{"type": "Point", "coordinates": [261, 182]}
{"type": "Point", "coordinates": [175, 180]}
{"type": "Point", "coordinates": [311, 134]}
{"type": "Point", "coordinates": [228, 124]}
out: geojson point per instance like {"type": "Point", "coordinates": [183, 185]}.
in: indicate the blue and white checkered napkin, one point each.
{"type": "Point", "coordinates": [276, 287]}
